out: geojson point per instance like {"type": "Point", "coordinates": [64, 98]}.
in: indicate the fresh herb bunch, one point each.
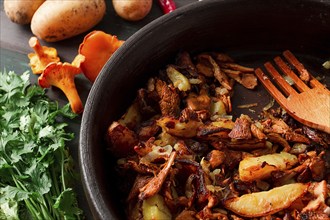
{"type": "Point", "coordinates": [35, 166]}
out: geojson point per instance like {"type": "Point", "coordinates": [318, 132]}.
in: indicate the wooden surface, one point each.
{"type": "Point", "coordinates": [14, 50]}
{"type": "Point", "coordinates": [15, 37]}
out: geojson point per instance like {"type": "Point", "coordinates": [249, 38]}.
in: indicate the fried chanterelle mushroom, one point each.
{"type": "Point", "coordinates": [181, 154]}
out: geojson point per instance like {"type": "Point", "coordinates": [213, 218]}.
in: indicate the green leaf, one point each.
{"type": "Point", "coordinates": [67, 204]}
{"type": "Point", "coordinates": [39, 179]}
{"type": "Point", "coordinates": [10, 193]}
{"type": "Point", "coordinates": [9, 210]}
{"type": "Point", "coordinates": [21, 151]}
{"type": "Point", "coordinates": [46, 131]}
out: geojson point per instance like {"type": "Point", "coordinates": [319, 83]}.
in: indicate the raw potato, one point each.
{"type": "Point", "coordinates": [21, 11]}
{"type": "Point", "coordinates": [61, 19]}
{"type": "Point", "coordinates": [132, 10]}
{"type": "Point", "coordinates": [254, 168]}
{"type": "Point", "coordinates": [268, 202]}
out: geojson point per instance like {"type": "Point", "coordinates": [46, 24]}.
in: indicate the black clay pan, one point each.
{"type": "Point", "coordinates": [250, 31]}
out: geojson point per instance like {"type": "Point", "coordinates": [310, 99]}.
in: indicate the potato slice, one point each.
{"type": "Point", "coordinates": [177, 128]}
{"type": "Point", "coordinates": [154, 208]}
{"type": "Point", "coordinates": [218, 108]}
{"type": "Point", "coordinates": [132, 117]}
{"type": "Point", "coordinates": [254, 168]}
{"type": "Point", "coordinates": [178, 79]}
{"type": "Point", "coordinates": [268, 202]}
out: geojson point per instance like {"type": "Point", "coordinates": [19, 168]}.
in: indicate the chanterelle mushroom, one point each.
{"type": "Point", "coordinates": [42, 57]}
{"type": "Point", "coordinates": [97, 48]}
{"type": "Point", "coordinates": [61, 75]}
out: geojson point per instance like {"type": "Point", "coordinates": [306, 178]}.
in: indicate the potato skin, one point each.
{"type": "Point", "coordinates": [21, 11]}
{"type": "Point", "coordinates": [132, 10]}
{"type": "Point", "coordinates": [61, 19]}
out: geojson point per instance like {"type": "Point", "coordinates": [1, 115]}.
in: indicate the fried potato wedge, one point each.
{"type": "Point", "coordinates": [178, 79]}
{"type": "Point", "coordinates": [267, 202]}
{"type": "Point", "coordinates": [255, 168]}
{"type": "Point", "coordinates": [177, 128]}
{"type": "Point", "coordinates": [132, 117]}
{"type": "Point", "coordinates": [155, 208]}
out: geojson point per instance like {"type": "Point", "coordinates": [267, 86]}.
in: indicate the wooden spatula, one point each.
{"type": "Point", "coordinates": [306, 101]}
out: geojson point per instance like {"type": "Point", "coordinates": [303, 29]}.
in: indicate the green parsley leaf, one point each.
{"type": "Point", "coordinates": [35, 165]}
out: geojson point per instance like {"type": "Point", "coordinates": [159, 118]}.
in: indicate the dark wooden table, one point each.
{"type": "Point", "coordinates": [14, 49]}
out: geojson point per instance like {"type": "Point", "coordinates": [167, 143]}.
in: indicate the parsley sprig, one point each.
{"type": "Point", "coordinates": [35, 166]}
